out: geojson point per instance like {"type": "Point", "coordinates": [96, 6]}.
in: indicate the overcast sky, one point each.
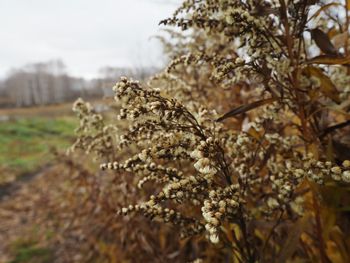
{"type": "Point", "coordinates": [85, 34]}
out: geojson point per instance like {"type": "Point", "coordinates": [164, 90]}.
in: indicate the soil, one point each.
{"type": "Point", "coordinates": [18, 218]}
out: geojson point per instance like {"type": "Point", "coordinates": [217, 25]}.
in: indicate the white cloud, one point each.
{"type": "Point", "coordinates": [86, 34]}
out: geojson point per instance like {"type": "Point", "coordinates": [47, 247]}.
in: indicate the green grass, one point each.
{"type": "Point", "coordinates": [25, 143]}
{"type": "Point", "coordinates": [27, 251]}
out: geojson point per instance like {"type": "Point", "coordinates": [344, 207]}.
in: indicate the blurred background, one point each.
{"type": "Point", "coordinates": [53, 52]}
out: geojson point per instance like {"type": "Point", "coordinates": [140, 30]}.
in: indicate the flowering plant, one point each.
{"type": "Point", "coordinates": [256, 179]}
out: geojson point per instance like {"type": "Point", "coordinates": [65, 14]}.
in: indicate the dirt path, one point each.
{"type": "Point", "coordinates": [19, 213]}
{"type": "Point", "coordinates": [9, 189]}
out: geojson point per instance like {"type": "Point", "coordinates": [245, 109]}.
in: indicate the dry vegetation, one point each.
{"type": "Point", "coordinates": [241, 146]}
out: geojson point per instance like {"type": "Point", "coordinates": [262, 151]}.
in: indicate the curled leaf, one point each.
{"type": "Point", "coordinates": [334, 128]}
{"type": "Point", "coordinates": [323, 42]}
{"type": "Point", "coordinates": [329, 60]}
{"type": "Point", "coordinates": [245, 108]}
{"type": "Point", "coordinates": [327, 87]}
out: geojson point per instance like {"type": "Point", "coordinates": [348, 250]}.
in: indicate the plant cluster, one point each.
{"type": "Point", "coordinates": [267, 178]}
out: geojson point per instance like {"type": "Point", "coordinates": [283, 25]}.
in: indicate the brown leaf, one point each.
{"type": "Point", "coordinates": [264, 10]}
{"type": "Point", "coordinates": [329, 217]}
{"type": "Point", "coordinates": [340, 40]}
{"type": "Point", "coordinates": [245, 108]}
{"type": "Point", "coordinates": [327, 87]}
{"type": "Point", "coordinates": [329, 60]}
{"type": "Point", "coordinates": [334, 128]}
{"type": "Point", "coordinates": [291, 244]}
{"type": "Point", "coordinates": [342, 150]}
{"type": "Point", "coordinates": [338, 237]}
{"type": "Point", "coordinates": [332, 32]}
{"type": "Point", "coordinates": [323, 42]}
{"type": "Point", "coordinates": [145, 243]}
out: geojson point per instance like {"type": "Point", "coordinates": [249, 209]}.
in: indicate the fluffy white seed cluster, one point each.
{"type": "Point", "coordinates": [242, 20]}
{"type": "Point", "coordinates": [195, 162]}
{"type": "Point", "coordinates": [167, 132]}
{"type": "Point", "coordinates": [94, 136]}
{"type": "Point", "coordinates": [222, 203]}
{"type": "Point", "coordinates": [154, 211]}
{"type": "Point", "coordinates": [204, 166]}
{"type": "Point", "coordinates": [203, 175]}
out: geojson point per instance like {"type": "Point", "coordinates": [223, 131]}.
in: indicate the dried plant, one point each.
{"type": "Point", "coordinates": [265, 181]}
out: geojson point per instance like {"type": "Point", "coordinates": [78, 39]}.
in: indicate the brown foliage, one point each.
{"type": "Point", "coordinates": [268, 185]}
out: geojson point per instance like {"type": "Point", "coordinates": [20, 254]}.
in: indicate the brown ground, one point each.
{"type": "Point", "coordinates": [24, 203]}
{"type": "Point", "coordinates": [21, 218]}
{"type": "Point", "coordinates": [20, 222]}
{"type": "Point", "coordinates": [46, 110]}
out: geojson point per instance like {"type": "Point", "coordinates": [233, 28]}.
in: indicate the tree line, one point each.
{"type": "Point", "coordinates": [48, 83]}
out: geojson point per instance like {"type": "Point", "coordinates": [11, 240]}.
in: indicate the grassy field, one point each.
{"type": "Point", "coordinates": [27, 140]}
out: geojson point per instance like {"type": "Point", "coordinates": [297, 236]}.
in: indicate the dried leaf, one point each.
{"type": "Point", "coordinates": [334, 128]}
{"type": "Point", "coordinates": [339, 40]}
{"type": "Point", "coordinates": [327, 87]}
{"type": "Point", "coordinates": [313, 148]}
{"type": "Point", "coordinates": [245, 108]}
{"type": "Point", "coordinates": [339, 238]}
{"type": "Point", "coordinates": [252, 132]}
{"type": "Point", "coordinates": [329, 217]}
{"type": "Point", "coordinates": [292, 241]}
{"type": "Point", "coordinates": [332, 32]}
{"type": "Point", "coordinates": [145, 243]}
{"type": "Point", "coordinates": [329, 60]}
{"type": "Point", "coordinates": [323, 42]}
{"type": "Point", "coordinates": [261, 10]}
{"type": "Point", "coordinates": [341, 108]}
{"type": "Point", "coordinates": [342, 150]}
